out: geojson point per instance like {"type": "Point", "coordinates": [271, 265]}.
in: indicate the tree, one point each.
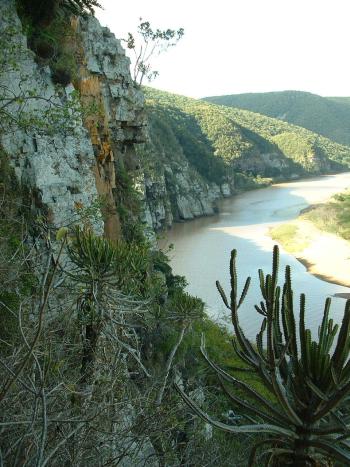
{"type": "Point", "coordinates": [42, 12]}
{"type": "Point", "coordinates": [305, 420]}
{"type": "Point", "coordinates": [152, 42]}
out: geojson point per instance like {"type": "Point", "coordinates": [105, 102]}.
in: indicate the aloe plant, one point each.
{"type": "Point", "coordinates": [94, 260]}
{"type": "Point", "coordinates": [305, 421]}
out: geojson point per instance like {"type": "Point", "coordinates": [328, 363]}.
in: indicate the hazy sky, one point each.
{"type": "Point", "coordinates": [236, 46]}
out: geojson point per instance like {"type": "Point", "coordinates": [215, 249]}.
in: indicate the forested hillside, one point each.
{"type": "Point", "coordinates": [342, 99]}
{"type": "Point", "coordinates": [216, 139]}
{"type": "Point", "coordinates": [329, 117]}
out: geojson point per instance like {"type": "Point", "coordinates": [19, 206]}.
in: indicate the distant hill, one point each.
{"type": "Point", "coordinates": [218, 140]}
{"type": "Point", "coordinates": [328, 116]}
{"type": "Point", "coordinates": [343, 100]}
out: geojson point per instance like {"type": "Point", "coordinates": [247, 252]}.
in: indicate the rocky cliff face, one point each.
{"type": "Point", "coordinates": [69, 163]}
{"type": "Point", "coordinates": [75, 164]}
{"type": "Point", "coordinates": [172, 189]}
{"type": "Point", "coordinates": [56, 168]}
{"type": "Point", "coordinates": [179, 193]}
{"type": "Point", "coordinates": [105, 82]}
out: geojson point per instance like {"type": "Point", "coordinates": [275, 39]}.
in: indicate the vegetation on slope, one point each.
{"type": "Point", "coordinates": [329, 117]}
{"type": "Point", "coordinates": [104, 339]}
{"type": "Point", "coordinates": [308, 149]}
{"type": "Point", "coordinates": [333, 216]}
{"type": "Point", "coordinates": [197, 126]}
{"type": "Point", "coordinates": [239, 140]}
{"type": "Point", "coordinates": [342, 99]}
{"type": "Point", "coordinates": [42, 12]}
{"type": "Point", "coordinates": [88, 350]}
{"type": "Point", "coordinates": [175, 132]}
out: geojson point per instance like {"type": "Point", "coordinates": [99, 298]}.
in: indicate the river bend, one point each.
{"type": "Point", "coordinates": [202, 248]}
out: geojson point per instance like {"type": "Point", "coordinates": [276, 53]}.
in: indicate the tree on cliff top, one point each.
{"type": "Point", "coordinates": [43, 12]}
{"type": "Point", "coordinates": [151, 42]}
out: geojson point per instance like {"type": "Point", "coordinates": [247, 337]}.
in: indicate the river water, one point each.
{"type": "Point", "coordinates": [202, 248]}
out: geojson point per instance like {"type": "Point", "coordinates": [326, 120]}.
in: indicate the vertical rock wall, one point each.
{"type": "Point", "coordinates": [73, 165]}
{"type": "Point", "coordinates": [117, 122]}
{"type": "Point", "coordinates": [173, 190]}
{"type": "Point", "coordinates": [179, 193]}
{"type": "Point", "coordinates": [56, 166]}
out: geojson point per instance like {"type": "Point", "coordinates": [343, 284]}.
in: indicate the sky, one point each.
{"type": "Point", "coordinates": [238, 46]}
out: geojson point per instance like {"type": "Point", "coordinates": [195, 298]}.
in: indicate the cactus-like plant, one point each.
{"type": "Point", "coordinates": [94, 260]}
{"type": "Point", "coordinates": [93, 256]}
{"type": "Point", "coordinates": [305, 422]}
{"type": "Point", "coordinates": [184, 308]}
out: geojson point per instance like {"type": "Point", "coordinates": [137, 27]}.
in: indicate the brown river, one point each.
{"type": "Point", "coordinates": [202, 248]}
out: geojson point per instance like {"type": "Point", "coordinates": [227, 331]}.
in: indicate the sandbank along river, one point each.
{"type": "Point", "coordinates": [202, 248]}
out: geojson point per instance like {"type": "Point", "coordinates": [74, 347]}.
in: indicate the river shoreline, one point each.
{"type": "Point", "coordinates": [326, 256]}
{"type": "Point", "coordinates": [309, 267]}
{"type": "Point", "coordinates": [314, 259]}
{"type": "Point", "coordinates": [202, 247]}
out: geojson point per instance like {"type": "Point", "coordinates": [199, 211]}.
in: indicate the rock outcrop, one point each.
{"type": "Point", "coordinates": [118, 123]}
{"type": "Point", "coordinates": [179, 193]}
{"type": "Point", "coordinates": [53, 161]}
{"type": "Point", "coordinates": [67, 161]}
{"type": "Point", "coordinates": [172, 188]}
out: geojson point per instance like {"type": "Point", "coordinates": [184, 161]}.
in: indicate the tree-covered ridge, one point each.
{"type": "Point", "coordinates": [303, 146]}
{"type": "Point", "coordinates": [342, 99]}
{"type": "Point", "coordinates": [176, 133]}
{"type": "Point", "coordinates": [328, 116]}
{"type": "Point", "coordinates": [214, 143]}
{"type": "Point", "coordinates": [224, 134]}
{"type": "Point", "coordinates": [237, 137]}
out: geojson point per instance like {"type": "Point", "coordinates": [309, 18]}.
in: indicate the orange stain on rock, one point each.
{"type": "Point", "coordinates": [96, 123]}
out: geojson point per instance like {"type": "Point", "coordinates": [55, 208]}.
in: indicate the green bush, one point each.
{"type": "Point", "coordinates": [64, 69]}
{"type": "Point", "coordinates": [49, 38]}
{"type": "Point", "coordinates": [44, 12]}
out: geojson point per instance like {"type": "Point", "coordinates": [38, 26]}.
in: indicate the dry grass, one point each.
{"type": "Point", "coordinates": [291, 236]}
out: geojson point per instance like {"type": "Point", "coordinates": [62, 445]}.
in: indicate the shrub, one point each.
{"type": "Point", "coordinates": [64, 69]}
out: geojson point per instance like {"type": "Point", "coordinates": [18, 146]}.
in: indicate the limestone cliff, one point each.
{"type": "Point", "coordinates": [57, 169]}
{"type": "Point", "coordinates": [74, 164]}
{"type": "Point", "coordinates": [172, 188]}
{"type": "Point", "coordinates": [105, 82]}
{"type": "Point", "coordinates": [70, 163]}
